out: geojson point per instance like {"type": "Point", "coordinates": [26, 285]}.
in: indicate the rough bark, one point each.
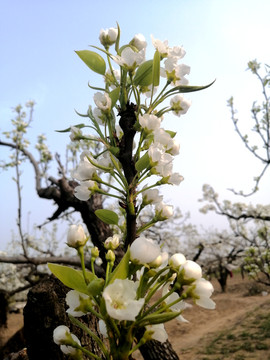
{"type": "Point", "coordinates": [44, 311]}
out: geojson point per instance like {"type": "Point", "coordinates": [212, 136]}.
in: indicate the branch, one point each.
{"type": "Point", "coordinates": [39, 260]}
{"type": "Point", "coordinates": [30, 158]}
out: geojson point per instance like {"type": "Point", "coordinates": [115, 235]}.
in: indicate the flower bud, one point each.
{"type": "Point", "coordinates": [177, 260]}
{"type": "Point", "coordinates": [108, 37]}
{"type": "Point", "coordinates": [110, 256]}
{"type": "Point", "coordinates": [76, 236]}
{"type": "Point", "coordinates": [112, 242]}
{"type": "Point", "coordinates": [192, 270]}
{"type": "Point", "coordinates": [94, 252]}
{"type": "Point", "coordinates": [144, 251]}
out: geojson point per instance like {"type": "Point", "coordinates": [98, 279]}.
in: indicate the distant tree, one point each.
{"type": "Point", "coordinates": [250, 223]}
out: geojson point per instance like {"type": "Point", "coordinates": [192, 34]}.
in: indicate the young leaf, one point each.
{"type": "Point", "coordinates": [142, 163]}
{"type": "Point", "coordinates": [122, 269]}
{"type": "Point", "coordinates": [114, 95]}
{"type": "Point", "coordinates": [79, 126]}
{"type": "Point", "coordinates": [107, 216]}
{"type": "Point", "coordinates": [71, 277]}
{"type": "Point", "coordinates": [156, 69]}
{"type": "Point", "coordinates": [93, 60]}
{"type": "Point", "coordinates": [143, 76]}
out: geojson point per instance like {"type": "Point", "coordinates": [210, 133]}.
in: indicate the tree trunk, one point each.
{"type": "Point", "coordinates": [44, 311]}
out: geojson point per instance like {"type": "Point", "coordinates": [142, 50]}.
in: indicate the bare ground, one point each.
{"type": "Point", "coordinates": [210, 334]}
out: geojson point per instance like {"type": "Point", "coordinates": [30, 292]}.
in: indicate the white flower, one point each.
{"type": "Point", "coordinates": [112, 242]}
{"type": "Point", "coordinates": [84, 190]}
{"type": "Point", "coordinates": [120, 300]}
{"type": "Point", "coordinates": [161, 161]}
{"type": "Point", "coordinates": [151, 196]}
{"type": "Point", "coordinates": [61, 334]}
{"type": "Point", "coordinates": [99, 116]}
{"type": "Point", "coordinates": [149, 121]}
{"type": "Point", "coordinates": [159, 332]}
{"type": "Point", "coordinates": [69, 350]}
{"type": "Point", "coordinates": [77, 302]}
{"type": "Point", "coordinates": [103, 328]}
{"type": "Point", "coordinates": [74, 133]}
{"type": "Point", "coordinates": [144, 251]}
{"type": "Point", "coordinates": [76, 236]}
{"type": "Point", "coordinates": [176, 260]}
{"type": "Point", "coordinates": [192, 270]}
{"type": "Point", "coordinates": [175, 179]}
{"type": "Point", "coordinates": [164, 211]}
{"type": "Point", "coordinates": [103, 101]}
{"type": "Point", "coordinates": [139, 42]}
{"type": "Point", "coordinates": [179, 306]}
{"type": "Point", "coordinates": [84, 171]}
{"type": "Point", "coordinates": [163, 137]}
{"type": "Point", "coordinates": [161, 46]}
{"type": "Point", "coordinates": [105, 160]}
{"type": "Point", "coordinates": [108, 37]}
{"type": "Point", "coordinates": [129, 58]}
{"type": "Point", "coordinates": [179, 105]}
{"type": "Point", "coordinates": [202, 292]}
{"type": "Point", "coordinates": [160, 260]}
{"type": "Point", "coordinates": [177, 51]}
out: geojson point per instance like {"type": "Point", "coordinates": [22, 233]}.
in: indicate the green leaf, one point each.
{"type": "Point", "coordinates": [156, 69]}
{"type": "Point", "coordinates": [70, 277]}
{"type": "Point", "coordinates": [117, 39]}
{"type": "Point", "coordinates": [107, 216]}
{"type": "Point", "coordinates": [142, 163]}
{"type": "Point", "coordinates": [114, 95]}
{"type": "Point", "coordinates": [122, 269]}
{"type": "Point", "coordinates": [79, 126]}
{"type": "Point", "coordinates": [143, 76]}
{"type": "Point", "coordinates": [93, 60]}
{"type": "Point", "coordinates": [187, 88]}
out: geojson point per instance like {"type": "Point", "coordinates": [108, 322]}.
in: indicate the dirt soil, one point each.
{"type": "Point", "coordinates": [190, 339]}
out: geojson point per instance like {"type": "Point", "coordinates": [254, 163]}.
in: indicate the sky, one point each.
{"type": "Point", "coordinates": [38, 62]}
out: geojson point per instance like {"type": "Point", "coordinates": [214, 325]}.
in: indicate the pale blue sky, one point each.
{"type": "Point", "coordinates": [38, 39]}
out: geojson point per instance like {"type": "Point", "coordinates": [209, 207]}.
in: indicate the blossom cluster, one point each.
{"type": "Point", "coordinates": [126, 295]}
{"type": "Point", "coordinates": [134, 157]}
{"type": "Point", "coordinates": [157, 147]}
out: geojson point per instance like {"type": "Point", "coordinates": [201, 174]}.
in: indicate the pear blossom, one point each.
{"type": "Point", "coordinates": [176, 260]}
{"type": "Point", "coordinates": [179, 105]}
{"type": "Point", "coordinates": [203, 290]}
{"type": "Point", "coordinates": [129, 58]}
{"type": "Point", "coordinates": [143, 250]}
{"type": "Point", "coordinates": [139, 42]}
{"type": "Point", "coordinates": [74, 133]}
{"type": "Point", "coordinates": [78, 303]}
{"type": "Point", "coordinates": [160, 260]}
{"type": "Point", "coordinates": [84, 171]}
{"type": "Point", "coordinates": [108, 37]}
{"type": "Point", "coordinates": [85, 189]}
{"type": "Point", "coordinates": [161, 46]}
{"type": "Point", "coordinates": [163, 137]}
{"type": "Point", "coordinates": [178, 305]}
{"type": "Point", "coordinates": [149, 121]}
{"type": "Point", "coordinates": [69, 350]}
{"type": "Point", "coordinates": [76, 236]}
{"type": "Point", "coordinates": [163, 211]}
{"type": "Point", "coordinates": [61, 334]}
{"type": "Point", "coordinates": [99, 116]}
{"type": "Point", "coordinates": [120, 300]}
{"type": "Point", "coordinates": [151, 196]}
{"type": "Point", "coordinates": [175, 179]}
{"type": "Point", "coordinates": [174, 72]}
{"type": "Point", "coordinates": [103, 101]}
{"type": "Point", "coordinates": [192, 270]}
{"type": "Point", "coordinates": [112, 242]}
{"type": "Point", "coordinates": [159, 332]}
{"type": "Point", "coordinates": [177, 52]}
